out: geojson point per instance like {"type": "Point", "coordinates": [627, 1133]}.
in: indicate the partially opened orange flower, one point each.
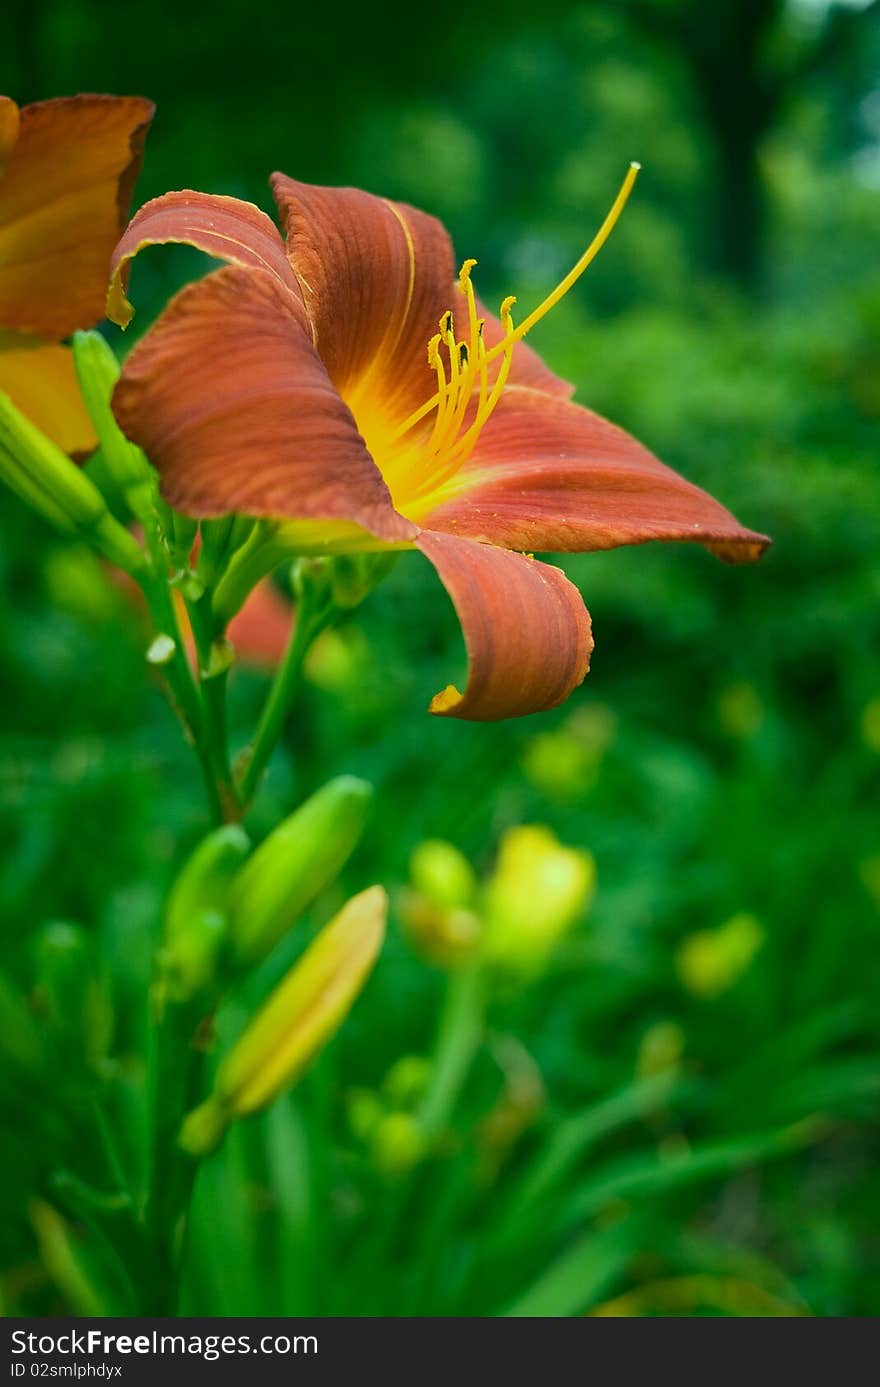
{"type": "Point", "coordinates": [345, 381]}
{"type": "Point", "coordinates": [67, 169]}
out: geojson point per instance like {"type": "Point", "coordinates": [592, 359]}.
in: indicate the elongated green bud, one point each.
{"type": "Point", "coordinates": [300, 1016]}
{"type": "Point", "coordinates": [288, 870]}
{"type": "Point", "coordinates": [45, 477]}
{"type": "Point", "coordinates": [97, 371]}
{"type": "Point", "coordinates": [195, 915]}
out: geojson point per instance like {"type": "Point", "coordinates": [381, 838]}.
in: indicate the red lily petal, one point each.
{"type": "Point", "coordinates": [525, 626]}
{"type": "Point", "coordinates": [231, 403]}
{"type": "Point", "coordinates": [549, 475]}
{"type": "Point", "coordinates": [376, 277]}
{"type": "Point", "coordinates": [225, 227]}
{"type": "Point", "coordinates": [63, 201]}
{"type": "Point", "coordinates": [40, 379]}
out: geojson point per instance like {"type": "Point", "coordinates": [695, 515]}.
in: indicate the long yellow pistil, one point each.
{"type": "Point", "coordinates": [469, 359]}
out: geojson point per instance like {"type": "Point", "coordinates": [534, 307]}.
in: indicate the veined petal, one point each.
{"type": "Point", "coordinates": [231, 403]}
{"type": "Point", "coordinates": [225, 227]}
{"type": "Point", "coordinates": [40, 379]}
{"type": "Point", "coordinates": [63, 201]}
{"type": "Point", "coordinates": [375, 277]}
{"type": "Point", "coordinates": [547, 474]}
{"type": "Point", "coordinates": [525, 626]}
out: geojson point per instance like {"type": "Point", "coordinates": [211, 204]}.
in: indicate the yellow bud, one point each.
{"type": "Point", "coordinates": [712, 961]}
{"type": "Point", "coordinates": [538, 890]}
{"type": "Point", "coordinates": [442, 874]}
{"type": "Point", "coordinates": [301, 1015]}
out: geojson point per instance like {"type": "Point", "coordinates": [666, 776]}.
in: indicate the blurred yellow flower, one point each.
{"type": "Point", "coordinates": [537, 892]}
{"type": "Point", "coordinates": [713, 960]}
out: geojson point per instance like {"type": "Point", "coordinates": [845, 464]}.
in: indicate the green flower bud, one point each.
{"type": "Point", "coordinates": [46, 478]}
{"type": "Point", "coordinates": [195, 928]}
{"type": "Point", "coordinates": [290, 1029]}
{"type": "Point", "coordinates": [398, 1143]}
{"type": "Point", "coordinates": [407, 1080]}
{"type": "Point", "coordinates": [97, 371]}
{"type": "Point", "coordinates": [713, 960]}
{"type": "Point", "coordinates": [304, 854]}
{"type": "Point", "coordinates": [442, 874]}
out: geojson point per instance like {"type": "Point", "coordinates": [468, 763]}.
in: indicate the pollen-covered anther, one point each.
{"type": "Point", "coordinates": [469, 359]}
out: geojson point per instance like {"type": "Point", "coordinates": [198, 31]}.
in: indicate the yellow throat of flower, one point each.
{"type": "Point", "coordinates": [417, 464]}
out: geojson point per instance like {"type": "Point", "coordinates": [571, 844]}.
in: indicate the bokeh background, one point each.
{"type": "Point", "coordinates": [721, 761]}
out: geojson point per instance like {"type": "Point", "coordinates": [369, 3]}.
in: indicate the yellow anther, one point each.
{"type": "Point", "coordinates": [469, 360]}
{"type": "Point", "coordinates": [464, 274]}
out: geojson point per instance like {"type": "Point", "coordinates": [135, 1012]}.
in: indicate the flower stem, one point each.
{"type": "Point", "coordinates": [458, 1040]}
{"type": "Point", "coordinates": [314, 613]}
{"type": "Point", "coordinates": [176, 1086]}
{"type": "Point", "coordinates": [212, 683]}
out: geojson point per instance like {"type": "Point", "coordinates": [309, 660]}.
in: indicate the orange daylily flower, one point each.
{"type": "Point", "coordinates": [67, 169]}
{"type": "Point", "coordinates": [343, 380]}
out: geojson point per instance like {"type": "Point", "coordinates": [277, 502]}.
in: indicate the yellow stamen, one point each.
{"type": "Point", "coordinates": [463, 374]}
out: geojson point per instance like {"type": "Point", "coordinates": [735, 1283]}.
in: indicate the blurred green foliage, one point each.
{"type": "Point", "coordinates": [630, 1135]}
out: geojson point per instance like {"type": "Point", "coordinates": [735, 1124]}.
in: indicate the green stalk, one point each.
{"type": "Point", "coordinates": [213, 677]}
{"type": "Point", "coordinates": [314, 613]}
{"type": "Point", "coordinates": [176, 1086]}
{"type": "Point", "coordinates": [458, 1040]}
{"type": "Point", "coordinates": [184, 692]}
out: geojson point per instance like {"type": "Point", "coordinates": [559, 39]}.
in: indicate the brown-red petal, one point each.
{"type": "Point", "coordinates": [526, 629]}
{"type": "Point", "coordinates": [63, 201]}
{"type": "Point", "coordinates": [231, 403]}
{"type": "Point", "coordinates": [376, 276]}
{"type": "Point", "coordinates": [549, 475]}
{"type": "Point", "coordinates": [224, 227]}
